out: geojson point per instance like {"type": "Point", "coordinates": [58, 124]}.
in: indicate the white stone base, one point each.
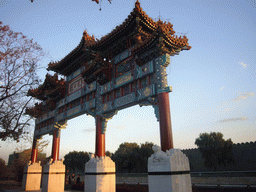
{"type": "Point", "coordinates": [100, 175]}
{"type": "Point", "coordinates": [53, 177]}
{"type": "Point", "coordinates": [32, 177]}
{"type": "Point", "coordinates": [168, 171]}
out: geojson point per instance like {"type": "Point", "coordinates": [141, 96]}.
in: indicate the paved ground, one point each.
{"type": "Point", "coordinates": [18, 190]}
{"type": "Point", "coordinates": [195, 189]}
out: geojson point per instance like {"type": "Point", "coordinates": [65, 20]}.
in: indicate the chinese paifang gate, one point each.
{"type": "Point", "coordinates": [124, 68]}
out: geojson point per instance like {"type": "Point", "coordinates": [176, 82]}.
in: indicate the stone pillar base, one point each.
{"type": "Point", "coordinates": [53, 176]}
{"type": "Point", "coordinates": [168, 171]}
{"type": "Point", "coordinates": [100, 175]}
{"type": "Point", "coordinates": [32, 177]}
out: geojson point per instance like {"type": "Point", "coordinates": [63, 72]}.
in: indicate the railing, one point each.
{"type": "Point", "coordinates": [224, 174]}
{"type": "Point", "coordinates": [202, 174]}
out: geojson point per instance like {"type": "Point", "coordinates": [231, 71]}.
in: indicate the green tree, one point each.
{"type": "Point", "coordinates": [123, 156]}
{"type": "Point", "coordinates": [108, 153]}
{"type": "Point", "coordinates": [139, 157]}
{"type": "Point", "coordinates": [76, 159]}
{"type": "Point", "coordinates": [19, 58]}
{"type": "Point", "coordinates": [215, 149]}
{"type": "Point", "coordinates": [130, 157]}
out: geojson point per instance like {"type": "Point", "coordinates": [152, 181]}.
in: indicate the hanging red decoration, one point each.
{"type": "Point", "coordinates": [97, 1]}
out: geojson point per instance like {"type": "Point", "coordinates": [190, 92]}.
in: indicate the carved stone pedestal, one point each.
{"type": "Point", "coordinates": [100, 175]}
{"type": "Point", "coordinates": [168, 171]}
{"type": "Point", "coordinates": [53, 177]}
{"type": "Point", "coordinates": [32, 177]}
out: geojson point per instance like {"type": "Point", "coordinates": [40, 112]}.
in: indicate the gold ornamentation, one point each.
{"type": "Point", "coordinates": [147, 92]}
{"type": "Point", "coordinates": [159, 61]}
{"type": "Point", "coordinates": [105, 107]}
{"type": "Point", "coordinates": [59, 126]}
{"type": "Point", "coordinates": [124, 79]}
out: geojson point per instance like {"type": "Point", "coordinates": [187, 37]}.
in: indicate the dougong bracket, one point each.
{"type": "Point", "coordinates": [61, 125]}
{"type": "Point", "coordinates": [105, 118]}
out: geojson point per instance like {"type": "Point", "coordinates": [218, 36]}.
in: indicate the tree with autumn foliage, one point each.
{"type": "Point", "coordinates": [19, 58]}
{"type": "Point", "coordinates": [3, 169]}
{"type": "Point", "coordinates": [22, 154]}
{"type": "Point", "coordinates": [21, 160]}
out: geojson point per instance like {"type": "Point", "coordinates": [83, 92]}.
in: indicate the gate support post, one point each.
{"type": "Point", "coordinates": [54, 170]}
{"type": "Point", "coordinates": [168, 168]}
{"type": "Point", "coordinates": [165, 121]}
{"type": "Point", "coordinates": [33, 171]}
{"type": "Point", "coordinates": [34, 152]}
{"type": "Point", "coordinates": [100, 169]}
{"type": "Point", "coordinates": [100, 137]}
{"type": "Point", "coordinates": [56, 145]}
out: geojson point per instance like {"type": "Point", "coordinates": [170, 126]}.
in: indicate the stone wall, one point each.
{"type": "Point", "coordinates": [131, 180]}
{"type": "Point", "coordinates": [224, 180]}
{"type": "Point", "coordinates": [244, 156]}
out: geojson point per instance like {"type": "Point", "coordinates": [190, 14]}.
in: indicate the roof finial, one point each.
{"type": "Point", "coordinates": [137, 4]}
{"type": "Point", "coordinates": [87, 37]}
{"type": "Point", "coordinates": [159, 19]}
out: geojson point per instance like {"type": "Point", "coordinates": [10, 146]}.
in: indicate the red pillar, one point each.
{"type": "Point", "coordinates": [34, 152]}
{"type": "Point", "coordinates": [56, 145]}
{"type": "Point", "coordinates": [100, 138]}
{"type": "Point", "coordinates": [165, 121]}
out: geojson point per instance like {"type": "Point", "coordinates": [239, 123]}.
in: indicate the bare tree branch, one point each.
{"type": "Point", "coordinates": [19, 58]}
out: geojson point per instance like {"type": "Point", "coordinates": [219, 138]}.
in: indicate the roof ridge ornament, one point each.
{"type": "Point", "coordinates": [137, 6]}
{"type": "Point", "coordinates": [142, 29]}
{"type": "Point", "coordinates": [87, 37]}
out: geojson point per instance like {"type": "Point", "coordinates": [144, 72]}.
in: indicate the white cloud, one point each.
{"type": "Point", "coordinates": [233, 119]}
{"type": "Point", "coordinates": [227, 109]}
{"type": "Point", "coordinates": [243, 65]}
{"type": "Point", "coordinates": [121, 127]}
{"type": "Point", "coordinates": [88, 130]}
{"type": "Point", "coordinates": [244, 96]}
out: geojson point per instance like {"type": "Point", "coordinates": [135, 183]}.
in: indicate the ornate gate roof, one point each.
{"type": "Point", "coordinates": [142, 32]}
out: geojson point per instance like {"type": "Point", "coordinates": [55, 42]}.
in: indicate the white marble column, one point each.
{"type": "Point", "coordinates": [168, 171]}
{"type": "Point", "coordinates": [32, 177]}
{"type": "Point", "coordinates": [53, 176]}
{"type": "Point", "coordinates": [100, 175]}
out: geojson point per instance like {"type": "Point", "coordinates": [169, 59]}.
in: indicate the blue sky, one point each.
{"type": "Point", "coordinates": [213, 83]}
